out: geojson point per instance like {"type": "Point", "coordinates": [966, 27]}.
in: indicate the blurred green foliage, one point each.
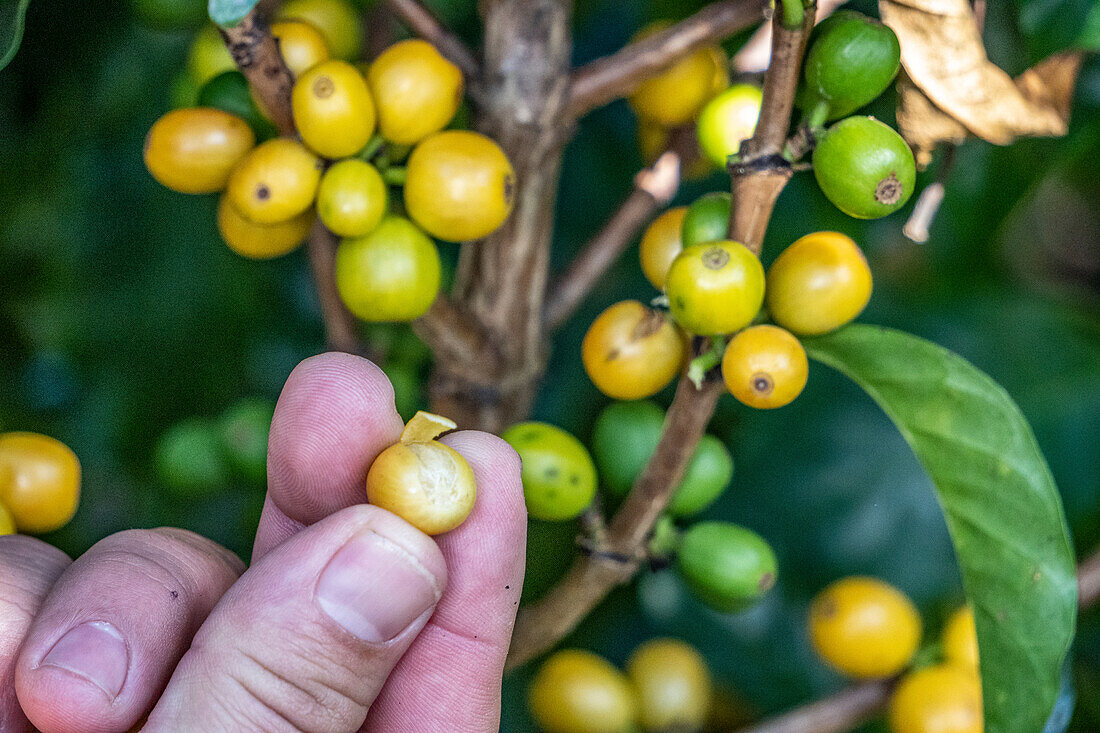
{"type": "Point", "coordinates": [123, 315]}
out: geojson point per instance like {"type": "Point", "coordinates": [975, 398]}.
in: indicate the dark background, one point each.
{"type": "Point", "coordinates": [122, 314]}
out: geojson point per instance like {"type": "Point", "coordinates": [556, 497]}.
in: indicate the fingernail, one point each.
{"type": "Point", "coordinates": [95, 651]}
{"type": "Point", "coordinates": [375, 589]}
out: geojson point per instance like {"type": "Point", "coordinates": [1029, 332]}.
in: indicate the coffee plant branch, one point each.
{"type": "Point", "coordinates": [606, 79]}
{"type": "Point", "coordinates": [861, 702]}
{"type": "Point", "coordinates": [545, 622]}
{"type": "Point", "coordinates": [423, 23]}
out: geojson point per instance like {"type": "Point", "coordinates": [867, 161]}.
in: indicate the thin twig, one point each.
{"type": "Point", "coordinates": [606, 79]}
{"type": "Point", "coordinates": [424, 24]}
{"type": "Point", "coordinates": [340, 328]}
{"type": "Point", "coordinates": [654, 187]}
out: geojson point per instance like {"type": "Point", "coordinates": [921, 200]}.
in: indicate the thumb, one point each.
{"type": "Point", "coordinates": [307, 637]}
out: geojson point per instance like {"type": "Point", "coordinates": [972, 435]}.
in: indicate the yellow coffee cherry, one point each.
{"type": "Point", "coordinates": [352, 198]}
{"type": "Point", "coordinates": [333, 109]}
{"type": "Point", "coordinates": [39, 481]}
{"type": "Point", "coordinates": [715, 288]}
{"type": "Point", "coordinates": [208, 56]}
{"type": "Point", "coordinates": [960, 640]}
{"type": "Point", "coordinates": [426, 483]}
{"type": "Point", "coordinates": [389, 274]}
{"type": "Point", "coordinates": [7, 521]}
{"type": "Point", "coordinates": [765, 367]}
{"type": "Point", "coordinates": [276, 182]}
{"type": "Point", "coordinates": [459, 185]}
{"type": "Point", "coordinates": [337, 20]}
{"type": "Point", "coordinates": [818, 284]}
{"type": "Point", "coordinates": [660, 244]}
{"type": "Point", "coordinates": [576, 691]}
{"type": "Point", "coordinates": [261, 241]}
{"type": "Point", "coordinates": [937, 699]}
{"type": "Point", "coordinates": [673, 96]}
{"type": "Point", "coordinates": [301, 45]}
{"type": "Point", "coordinates": [631, 352]}
{"type": "Point", "coordinates": [194, 150]}
{"type": "Point", "coordinates": [673, 685]}
{"type": "Point", "coordinates": [864, 628]}
{"type": "Point", "coordinates": [417, 91]}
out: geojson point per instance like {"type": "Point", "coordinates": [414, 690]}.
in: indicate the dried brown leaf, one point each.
{"type": "Point", "coordinates": [923, 124]}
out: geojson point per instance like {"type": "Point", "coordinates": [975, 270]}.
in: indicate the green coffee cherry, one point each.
{"type": "Point", "coordinates": [706, 477]}
{"type": "Point", "coordinates": [244, 428]}
{"type": "Point", "coordinates": [707, 220]}
{"type": "Point", "coordinates": [726, 566]}
{"type": "Point", "coordinates": [864, 167]}
{"type": "Point", "coordinates": [559, 478]}
{"type": "Point", "coordinates": [189, 458]}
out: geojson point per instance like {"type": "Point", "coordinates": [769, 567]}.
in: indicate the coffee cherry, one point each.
{"type": "Point", "coordinates": [960, 640]}
{"type": "Point", "coordinates": [559, 478]}
{"type": "Point", "coordinates": [727, 120]}
{"type": "Point", "coordinates": [765, 367]}
{"type": "Point", "coordinates": [277, 181]}
{"type": "Point", "coordinates": [244, 429]}
{"type": "Point", "coordinates": [715, 288]}
{"type": "Point", "coordinates": [333, 110]}
{"type": "Point", "coordinates": [673, 96]}
{"type": "Point", "coordinates": [937, 699]}
{"type": "Point", "coordinates": [426, 483]}
{"type": "Point", "coordinates": [673, 685]}
{"type": "Point", "coordinates": [337, 20]}
{"type": "Point", "coordinates": [707, 219]}
{"type": "Point", "coordinates": [660, 244]}
{"type": "Point", "coordinates": [301, 45]}
{"type": "Point", "coordinates": [39, 481]}
{"type": "Point", "coordinates": [851, 60]}
{"type": "Point", "coordinates": [229, 92]}
{"type": "Point", "coordinates": [576, 691]}
{"type": "Point", "coordinates": [390, 274]}
{"type": "Point", "coordinates": [727, 567]}
{"type": "Point", "coordinates": [631, 352]}
{"type": "Point", "coordinates": [707, 475]}
{"type": "Point", "coordinates": [195, 150]}
{"type": "Point", "coordinates": [818, 284]}
{"type": "Point", "coordinates": [864, 167]}
{"type": "Point", "coordinates": [459, 185]}
{"type": "Point", "coordinates": [190, 459]}
{"type": "Point", "coordinates": [352, 198]}
{"type": "Point", "coordinates": [417, 91]}
{"type": "Point", "coordinates": [7, 521]}
{"type": "Point", "coordinates": [864, 628]}
{"type": "Point", "coordinates": [261, 241]}
{"type": "Point", "coordinates": [208, 56]}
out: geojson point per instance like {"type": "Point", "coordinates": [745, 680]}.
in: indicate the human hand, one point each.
{"type": "Point", "coordinates": [348, 619]}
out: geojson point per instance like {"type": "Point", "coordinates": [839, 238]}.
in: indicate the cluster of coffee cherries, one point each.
{"type": "Point", "coordinates": [666, 686]}
{"type": "Point", "coordinates": [372, 160]}
{"type": "Point", "coordinates": [865, 628]}
{"type": "Point", "coordinates": [39, 483]}
{"type": "Point", "coordinates": [726, 566]}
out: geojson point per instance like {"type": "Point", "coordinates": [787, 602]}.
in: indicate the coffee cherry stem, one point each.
{"type": "Point", "coordinates": [394, 175]}
{"type": "Point", "coordinates": [371, 148]}
{"type": "Point", "coordinates": [709, 359]}
{"type": "Point", "coordinates": [792, 14]}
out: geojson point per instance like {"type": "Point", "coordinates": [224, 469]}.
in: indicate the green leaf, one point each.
{"type": "Point", "coordinates": [1001, 505]}
{"type": "Point", "coordinates": [228, 13]}
{"type": "Point", "coordinates": [12, 14]}
{"type": "Point", "coordinates": [1055, 25]}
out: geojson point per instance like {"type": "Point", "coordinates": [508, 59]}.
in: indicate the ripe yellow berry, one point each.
{"type": "Point", "coordinates": [39, 481]}
{"type": "Point", "coordinates": [195, 150]}
{"type": "Point", "coordinates": [261, 241]}
{"type": "Point", "coordinates": [333, 109]}
{"type": "Point", "coordinates": [673, 685]}
{"type": "Point", "coordinates": [960, 640]}
{"type": "Point", "coordinates": [277, 181]}
{"type": "Point", "coordinates": [660, 244]}
{"type": "Point", "coordinates": [715, 288]}
{"type": "Point", "coordinates": [818, 284]}
{"type": "Point", "coordinates": [301, 45]}
{"type": "Point", "coordinates": [417, 91]}
{"type": "Point", "coordinates": [579, 692]}
{"type": "Point", "coordinates": [337, 20]}
{"type": "Point", "coordinates": [937, 699]}
{"type": "Point", "coordinates": [864, 628]}
{"type": "Point", "coordinates": [673, 96]}
{"type": "Point", "coordinates": [352, 198]}
{"type": "Point", "coordinates": [459, 185]}
{"type": "Point", "coordinates": [765, 367]}
{"type": "Point", "coordinates": [426, 483]}
{"type": "Point", "coordinates": [631, 352]}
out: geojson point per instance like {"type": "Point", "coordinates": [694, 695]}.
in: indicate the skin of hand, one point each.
{"type": "Point", "coordinates": [349, 618]}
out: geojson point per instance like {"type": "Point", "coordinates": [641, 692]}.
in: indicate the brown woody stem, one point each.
{"type": "Point", "coordinates": [423, 23]}
{"type": "Point", "coordinates": [256, 53]}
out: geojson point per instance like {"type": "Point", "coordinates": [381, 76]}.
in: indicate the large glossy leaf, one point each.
{"type": "Point", "coordinates": [228, 13]}
{"type": "Point", "coordinates": [1002, 508]}
{"type": "Point", "coordinates": [12, 13]}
